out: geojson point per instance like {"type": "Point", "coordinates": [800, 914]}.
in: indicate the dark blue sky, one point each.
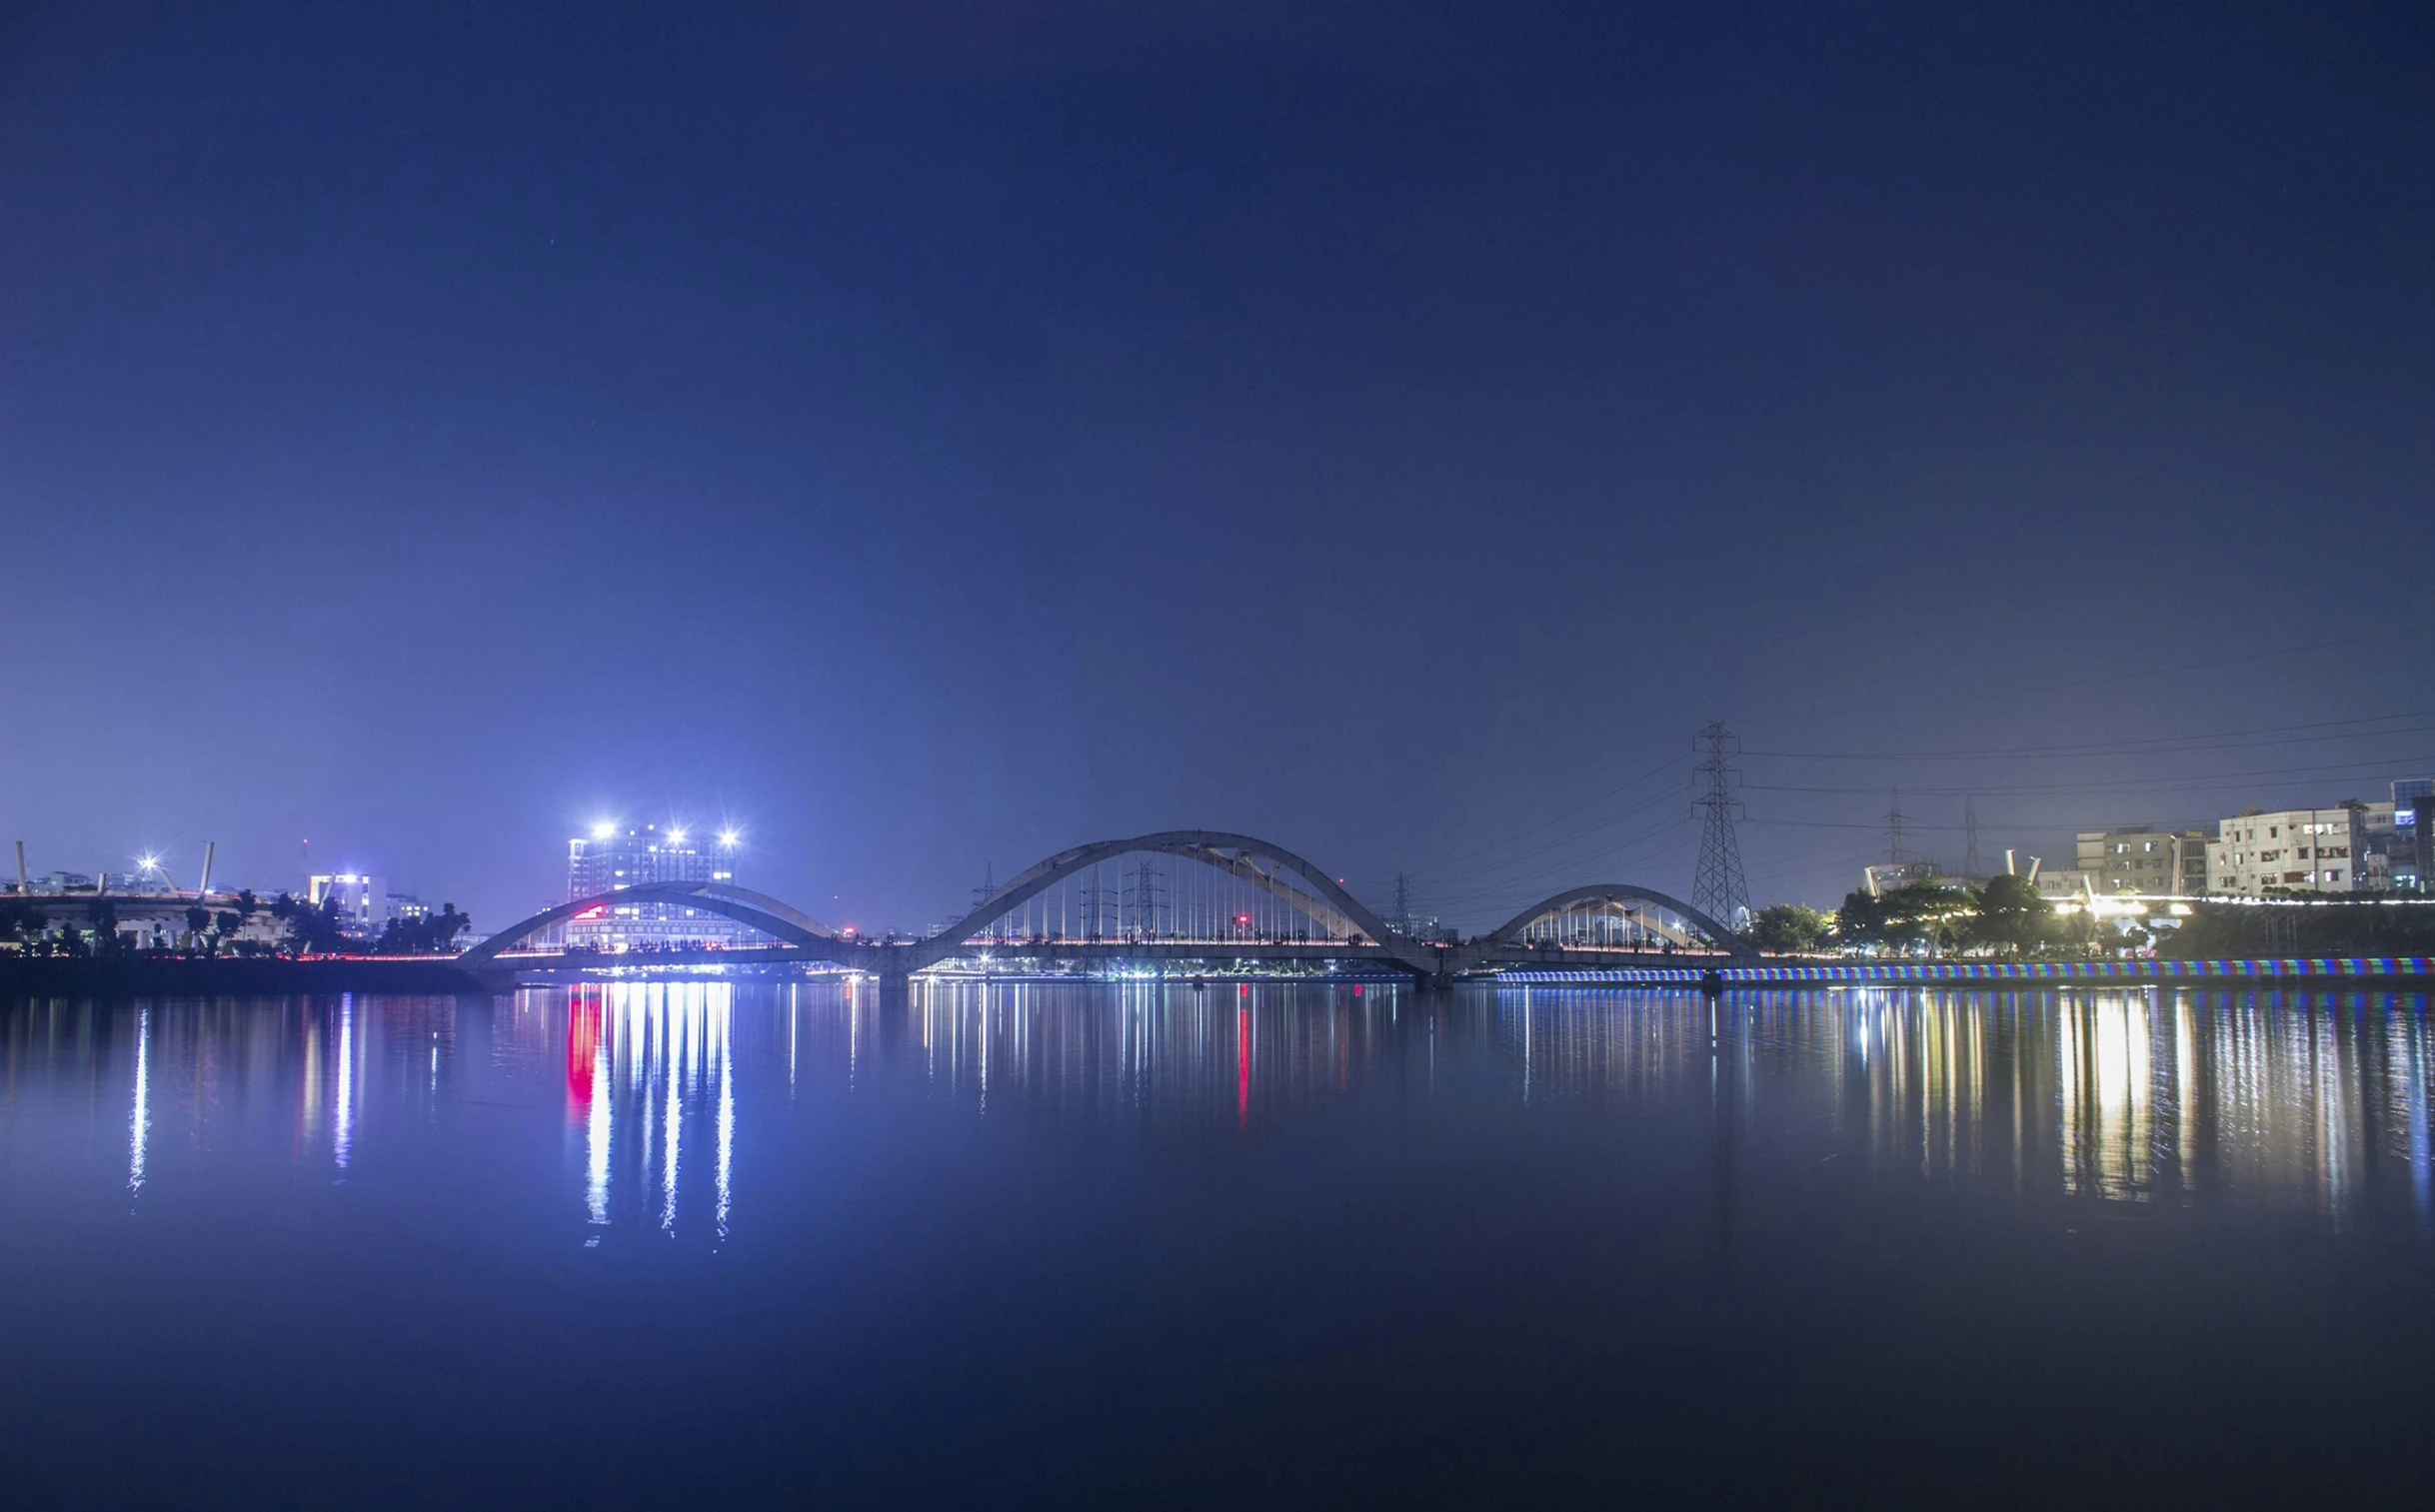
{"type": "Point", "coordinates": [935, 434]}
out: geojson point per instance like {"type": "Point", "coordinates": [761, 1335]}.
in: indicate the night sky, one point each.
{"type": "Point", "coordinates": [931, 436]}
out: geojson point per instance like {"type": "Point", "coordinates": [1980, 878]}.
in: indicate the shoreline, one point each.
{"type": "Point", "coordinates": [177, 975]}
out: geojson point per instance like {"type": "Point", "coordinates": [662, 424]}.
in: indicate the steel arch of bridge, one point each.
{"type": "Point", "coordinates": [1290, 877]}
{"type": "Point", "coordinates": [1509, 934]}
{"type": "Point", "coordinates": [1238, 855]}
{"type": "Point", "coordinates": [770, 915]}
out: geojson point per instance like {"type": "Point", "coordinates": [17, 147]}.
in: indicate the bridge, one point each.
{"type": "Point", "coordinates": [1177, 896]}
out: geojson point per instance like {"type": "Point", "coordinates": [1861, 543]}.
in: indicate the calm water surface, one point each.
{"type": "Point", "coordinates": [1074, 1244]}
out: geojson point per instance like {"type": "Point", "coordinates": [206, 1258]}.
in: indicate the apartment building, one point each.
{"type": "Point", "coordinates": [2337, 850]}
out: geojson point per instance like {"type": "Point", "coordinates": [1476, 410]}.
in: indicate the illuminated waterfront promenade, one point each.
{"type": "Point", "coordinates": [2396, 968]}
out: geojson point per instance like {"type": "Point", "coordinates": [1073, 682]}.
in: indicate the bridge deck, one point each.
{"type": "Point", "coordinates": [879, 957]}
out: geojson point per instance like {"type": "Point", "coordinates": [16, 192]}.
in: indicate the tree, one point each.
{"type": "Point", "coordinates": [2012, 912]}
{"type": "Point", "coordinates": [21, 920]}
{"type": "Point", "coordinates": [431, 933]}
{"type": "Point", "coordinates": [102, 913]}
{"type": "Point", "coordinates": [310, 930]}
{"type": "Point", "coordinates": [198, 920]}
{"type": "Point", "coordinates": [1921, 914]}
{"type": "Point", "coordinates": [1789, 929]}
{"type": "Point", "coordinates": [446, 924]}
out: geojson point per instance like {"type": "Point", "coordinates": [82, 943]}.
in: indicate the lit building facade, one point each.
{"type": "Point", "coordinates": [2136, 859]}
{"type": "Point", "coordinates": [2339, 850]}
{"type": "Point", "coordinates": [2412, 863]}
{"type": "Point", "coordinates": [614, 859]}
{"type": "Point", "coordinates": [363, 902]}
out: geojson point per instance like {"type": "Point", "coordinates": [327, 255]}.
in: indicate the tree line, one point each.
{"type": "Point", "coordinates": [304, 930]}
{"type": "Point", "coordinates": [2007, 916]}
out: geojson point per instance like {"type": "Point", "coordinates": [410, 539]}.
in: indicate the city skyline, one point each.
{"type": "Point", "coordinates": [2063, 855]}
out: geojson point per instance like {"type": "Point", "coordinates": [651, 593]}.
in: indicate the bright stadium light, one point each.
{"type": "Point", "coordinates": [675, 835]}
{"type": "Point", "coordinates": [603, 830]}
{"type": "Point", "coordinates": [728, 838]}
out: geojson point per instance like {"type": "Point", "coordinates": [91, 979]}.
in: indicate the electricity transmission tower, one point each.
{"type": "Point", "coordinates": [982, 894]}
{"type": "Point", "coordinates": [1717, 890]}
{"type": "Point", "coordinates": [1969, 838]}
{"type": "Point", "coordinates": [1894, 824]}
{"type": "Point", "coordinates": [1143, 894]}
{"type": "Point", "coordinates": [1093, 905]}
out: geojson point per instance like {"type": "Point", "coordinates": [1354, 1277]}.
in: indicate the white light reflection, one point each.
{"type": "Point", "coordinates": [672, 1048]}
{"type": "Point", "coordinates": [2411, 1062]}
{"type": "Point", "coordinates": [727, 1117]}
{"type": "Point", "coordinates": [342, 1142]}
{"type": "Point", "coordinates": [596, 1136]}
{"type": "Point", "coordinates": [667, 1052]}
{"type": "Point", "coordinates": [139, 1123]}
{"type": "Point", "coordinates": [2105, 1096]}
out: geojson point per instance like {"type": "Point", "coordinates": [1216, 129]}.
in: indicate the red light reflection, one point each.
{"type": "Point", "coordinates": [1242, 1068]}
{"type": "Point", "coordinates": [583, 1047]}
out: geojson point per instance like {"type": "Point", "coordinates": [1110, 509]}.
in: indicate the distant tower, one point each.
{"type": "Point", "coordinates": [1145, 896]}
{"type": "Point", "coordinates": [1969, 838]}
{"type": "Point", "coordinates": [1894, 824]}
{"type": "Point", "coordinates": [1717, 890]}
{"type": "Point", "coordinates": [1404, 906]}
{"type": "Point", "coordinates": [986, 890]}
{"type": "Point", "coordinates": [1094, 903]}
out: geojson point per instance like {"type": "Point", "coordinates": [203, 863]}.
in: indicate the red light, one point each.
{"type": "Point", "coordinates": [594, 912]}
{"type": "Point", "coordinates": [1242, 920]}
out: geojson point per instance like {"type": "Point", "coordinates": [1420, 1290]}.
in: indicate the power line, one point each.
{"type": "Point", "coordinates": [2124, 784]}
{"type": "Point", "coordinates": [2160, 672]}
{"type": "Point", "coordinates": [1613, 792]}
{"type": "Point", "coordinates": [2150, 745]}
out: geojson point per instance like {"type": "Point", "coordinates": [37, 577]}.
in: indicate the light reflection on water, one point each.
{"type": "Point", "coordinates": [863, 1241]}
{"type": "Point", "coordinates": [2136, 1096]}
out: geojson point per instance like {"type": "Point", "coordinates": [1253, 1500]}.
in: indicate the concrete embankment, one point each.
{"type": "Point", "coordinates": [2386, 970]}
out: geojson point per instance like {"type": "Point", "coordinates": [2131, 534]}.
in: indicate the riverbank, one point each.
{"type": "Point", "coordinates": [172, 975]}
{"type": "Point", "coordinates": [184, 975]}
{"type": "Point", "coordinates": [2392, 970]}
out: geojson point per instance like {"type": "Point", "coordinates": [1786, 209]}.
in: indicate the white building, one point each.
{"type": "Point", "coordinates": [612, 859]}
{"type": "Point", "coordinates": [2337, 850]}
{"type": "Point", "coordinates": [363, 902]}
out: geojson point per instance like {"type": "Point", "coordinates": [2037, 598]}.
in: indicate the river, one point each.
{"type": "Point", "coordinates": [1061, 1243]}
